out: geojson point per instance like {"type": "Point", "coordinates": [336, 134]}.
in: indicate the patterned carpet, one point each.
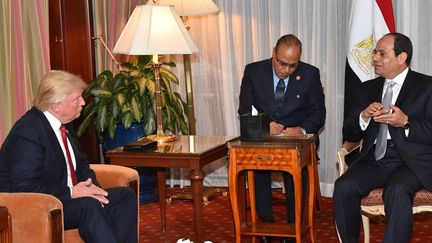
{"type": "Point", "coordinates": [219, 225]}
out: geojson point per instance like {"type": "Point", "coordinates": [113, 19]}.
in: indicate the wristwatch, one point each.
{"type": "Point", "coordinates": [303, 131]}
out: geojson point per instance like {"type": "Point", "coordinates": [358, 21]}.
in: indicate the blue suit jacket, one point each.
{"type": "Point", "coordinates": [415, 100]}
{"type": "Point", "coordinates": [304, 98]}
{"type": "Point", "coordinates": [31, 159]}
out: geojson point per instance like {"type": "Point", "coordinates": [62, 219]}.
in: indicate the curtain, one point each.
{"type": "Point", "coordinates": [24, 57]}
{"type": "Point", "coordinates": [246, 31]}
{"type": "Point", "coordinates": [109, 19]}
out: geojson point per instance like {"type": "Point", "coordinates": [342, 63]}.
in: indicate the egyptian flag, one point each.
{"type": "Point", "coordinates": [369, 21]}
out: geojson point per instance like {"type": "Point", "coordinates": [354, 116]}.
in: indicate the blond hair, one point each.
{"type": "Point", "coordinates": [55, 86]}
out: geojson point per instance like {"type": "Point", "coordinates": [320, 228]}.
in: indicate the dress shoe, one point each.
{"type": "Point", "coordinates": [288, 240]}
{"type": "Point", "coordinates": [265, 239]}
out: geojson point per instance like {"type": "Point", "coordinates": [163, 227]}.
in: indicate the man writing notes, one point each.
{"type": "Point", "coordinates": [394, 119]}
{"type": "Point", "coordinates": [41, 154]}
{"type": "Point", "coordinates": [291, 92]}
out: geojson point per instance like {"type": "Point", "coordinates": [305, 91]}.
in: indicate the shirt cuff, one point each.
{"type": "Point", "coordinates": [363, 124]}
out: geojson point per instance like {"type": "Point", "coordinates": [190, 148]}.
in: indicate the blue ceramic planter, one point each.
{"type": "Point", "coordinates": [122, 137]}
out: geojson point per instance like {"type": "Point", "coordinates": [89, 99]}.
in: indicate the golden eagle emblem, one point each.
{"type": "Point", "coordinates": [362, 54]}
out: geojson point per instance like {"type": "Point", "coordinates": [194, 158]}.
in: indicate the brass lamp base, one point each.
{"type": "Point", "coordinates": [162, 138]}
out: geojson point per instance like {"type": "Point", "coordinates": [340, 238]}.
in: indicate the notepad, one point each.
{"type": "Point", "coordinates": [140, 145]}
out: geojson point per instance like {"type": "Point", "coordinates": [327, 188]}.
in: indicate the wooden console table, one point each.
{"type": "Point", "coordinates": [191, 152]}
{"type": "Point", "coordinates": [290, 154]}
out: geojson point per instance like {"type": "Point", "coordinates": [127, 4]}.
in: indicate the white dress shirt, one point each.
{"type": "Point", "coordinates": [399, 79]}
{"type": "Point", "coordinates": [55, 124]}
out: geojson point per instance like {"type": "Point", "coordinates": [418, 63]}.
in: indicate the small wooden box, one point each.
{"type": "Point", "coordinates": [254, 128]}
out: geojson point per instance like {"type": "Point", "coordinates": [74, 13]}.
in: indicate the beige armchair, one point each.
{"type": "Point", "coordinates": [38, 217]}
{"type": "Point", "coordinates": [373, 204]}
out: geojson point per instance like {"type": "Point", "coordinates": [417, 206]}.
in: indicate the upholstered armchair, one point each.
{"type": "Point", "coordinates": [373, 204]}
{"type": "Point", "coordinates": [38, 217]}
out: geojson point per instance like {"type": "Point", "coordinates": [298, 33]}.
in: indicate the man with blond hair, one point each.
{"type": "Point", "coordinates": [41, 154]}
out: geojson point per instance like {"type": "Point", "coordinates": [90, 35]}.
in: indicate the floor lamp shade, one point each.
{"type": "Point", "coordinates": [154, 29]}
{"type": "Point", "coordinates": [187, 8]}
{"type": "Point", "coordinates": [190, 7]}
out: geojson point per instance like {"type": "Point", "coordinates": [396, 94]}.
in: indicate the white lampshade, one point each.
{"type": "Point", "coordinates": [190, 7]}
{"type": "Point", "coordinates": [154, 29]}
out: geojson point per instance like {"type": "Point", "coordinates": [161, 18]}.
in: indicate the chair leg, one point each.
{"type": "Point", "coordinates": [366, 230]}
{"type": "Point", "coordinates": [317, 188]}
{"type": "Point", "coordinates": [337, 231]}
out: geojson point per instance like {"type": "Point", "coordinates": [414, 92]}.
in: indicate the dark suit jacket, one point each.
{"type": "Point", "coordinates": [415, 100]}
{"type": "Point", "coordinates": [304, 98]}
{"type": "Point", "coordinates": [31, 159]}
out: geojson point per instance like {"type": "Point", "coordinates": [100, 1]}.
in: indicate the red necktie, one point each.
{"type": "Point", "coordinates": [69, 158]}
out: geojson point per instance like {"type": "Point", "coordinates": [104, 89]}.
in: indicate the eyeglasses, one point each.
{"type": "Point", "coordinates": [284, 64]}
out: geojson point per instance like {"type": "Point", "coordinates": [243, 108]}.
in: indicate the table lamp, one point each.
{"type": "Point", "coordinates": [155, 30]}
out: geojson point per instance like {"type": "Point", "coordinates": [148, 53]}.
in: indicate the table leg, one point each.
{"type": "Point", "coordinates": [241, 197]}
{"type": "Point", "coordinates": [197, 187]}
{"type": "Point", "coordinates": [162, 196]}
{"type": "Point", "coordinates": [297, 179]}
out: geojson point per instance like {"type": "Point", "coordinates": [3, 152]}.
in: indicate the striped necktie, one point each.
{"type": "Point", "coordinates": [381, 140]}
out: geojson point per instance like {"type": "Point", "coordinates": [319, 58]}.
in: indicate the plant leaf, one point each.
{"type": "Point", "coordinates": [112, 125]}
{"type": "Point", "coordinates": [101, 92]}
{"type": "Point", "coordinates": [170, 76]}
{"type": "Point", "coordinates": [127, 120]}
{"type": "Point", "coordinates": [171, 64]}
{"type": "Point", "coordinates": [85, 123]}
{"type": "Point", "coordinates": [101, 119]}
{"type": "Point", "coordinates": [135, 108]}
{"type": "Point", "coordinates": [142, 83]}
{"type": "Point", "coordinates": [121, 99]}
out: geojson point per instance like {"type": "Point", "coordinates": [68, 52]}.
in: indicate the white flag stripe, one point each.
{"type": "Point", "coordinates": [367, 25]}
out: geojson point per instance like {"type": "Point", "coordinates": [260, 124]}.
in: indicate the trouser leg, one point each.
{"type": "Point", "coordinates": [263, 195]}
{"type": "Point", "coordinates": [398, 199]}
{"type": "Point", "coordinates": [289, 195]}
{"type": "Point", "coordinates": [112, 223]}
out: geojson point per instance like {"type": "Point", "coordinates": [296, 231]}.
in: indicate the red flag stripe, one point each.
{"type": "Point", "coordinates": [386, 8]}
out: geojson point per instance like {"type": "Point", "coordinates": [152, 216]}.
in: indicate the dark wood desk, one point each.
{"type": "Point", "coordinates": [191, 152]}
{"type": "Point", "coordinates": [289, 154]}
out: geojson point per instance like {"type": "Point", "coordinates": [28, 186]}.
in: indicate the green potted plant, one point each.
{"type": "Point", "coordinates": [128, 97]}
{"type": "Point", "coordinates": [121, 108]}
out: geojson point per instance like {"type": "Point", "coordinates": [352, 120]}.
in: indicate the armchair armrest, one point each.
{"type": "Point", "coordinates": [115, 175]}
{"type": "Point", "coordinates": [346, 149]}
{"type": "Point", "coordinates": [34, 216]}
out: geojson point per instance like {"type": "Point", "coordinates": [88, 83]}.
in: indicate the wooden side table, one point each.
{"type": "Point", "coordinates": [290, 154]}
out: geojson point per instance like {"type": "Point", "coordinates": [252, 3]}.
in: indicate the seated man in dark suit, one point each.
{"type": "Point", "coordinates": [41, 154]}
{"type": "Point", "coordinates": [394, 118]}
{"type": "Point", "coordinates": [291, 92]}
